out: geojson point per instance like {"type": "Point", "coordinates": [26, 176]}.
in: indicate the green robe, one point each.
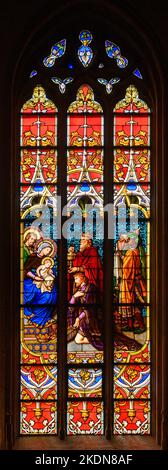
{"type": "Point", "coordinates": [26, 253]}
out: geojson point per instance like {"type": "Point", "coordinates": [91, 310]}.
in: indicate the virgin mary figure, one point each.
{"type": "Point", "coordinates": [39, 304]}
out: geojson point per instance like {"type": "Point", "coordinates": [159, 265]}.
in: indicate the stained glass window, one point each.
{"type": "Point", "coordinates": [88, 149]}
{"type": "Point", "coordinates": [38, 263]}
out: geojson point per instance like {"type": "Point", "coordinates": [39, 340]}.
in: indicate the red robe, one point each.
{"type": "Point", "coordinates": [90, 260]}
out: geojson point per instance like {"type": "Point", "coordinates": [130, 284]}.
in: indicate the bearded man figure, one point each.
{"type": "Point", "coordinates": [87, 260]}
{"type": "Point", "coordinates": [132, 283]}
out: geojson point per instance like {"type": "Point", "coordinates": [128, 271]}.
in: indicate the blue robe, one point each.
{"type": "Point", "coordinates": [41, 304]}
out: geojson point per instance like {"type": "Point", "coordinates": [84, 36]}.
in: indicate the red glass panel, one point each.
{"type": "Point", "coordinates": [129, 163]}
{"type": "Point", "coordinates": [132, 130]}
{"type": "Point", "coordinates": [38, 417]}
{"type": "Point", "coordinates": [131, 417]}
{"type": "Point", "coordinates": [38, 165]}
{"type": "Point", "coordinates": [85, 131]}
{"type": "Point", "coordinates": [38, 130]}
{"type": "Point", "coordinates": [85, 418]}
{"type": "Point", "coordinates": [85, 165]}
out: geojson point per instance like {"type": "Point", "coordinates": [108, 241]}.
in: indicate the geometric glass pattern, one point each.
{"type": "Point", "coordinates": [108, 84]}
{"type": "Point", "coordinates": [132, 417]}
{"type": "Point", "coordinates": [131, 284]}
{"type": "Point", "coordinates": [84, 383]}
{"type": "Point", "coordinates": [137, 73]}
{"type": "Point", "coordinates": [38, 417]}
{"type": "Point", "coordinates": [38, 265]}
{"type": "Point", "coordinates": [62, 83]}
{"type": "Point", "coordinates": [85, 53]}
{"type": "Point", "coordinates": [58, 50]}
{"type": "Point", "coordinates": [113, 51]}
{"type": "Point", "coordinates": [85, 418]}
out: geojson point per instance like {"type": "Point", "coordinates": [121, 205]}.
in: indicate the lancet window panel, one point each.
{"type": "Point", "coordinates": [131, 277]}
{"type": "Point", "coordinates": [85, 144]}
{"type": "Point", "coordinates": [38, 266]}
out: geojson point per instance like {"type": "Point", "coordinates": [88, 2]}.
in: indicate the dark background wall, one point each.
{"type": "Point", "coordinates": [22, 24]}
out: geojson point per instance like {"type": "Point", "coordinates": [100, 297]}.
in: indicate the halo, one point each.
{"type": "Point", "coordinates": [48, 258]}
{"type": "Point", "coordinates": [34, 231]}
{"type": "Point", "coordinates": [50, 243]}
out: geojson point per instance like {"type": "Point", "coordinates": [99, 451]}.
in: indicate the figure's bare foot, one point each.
{"type": "Point", "coordinates": [79, 339]}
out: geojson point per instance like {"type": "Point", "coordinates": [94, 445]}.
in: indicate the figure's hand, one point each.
{"type": "Point", "coordinates": [78, 294]}
{"type": "Point", "coordinates": [76, 269]}
{"type": "Point", "coordinates": [37, 278]}
{"type": "Point", "coordinates": [76, 324]}
{"type": "Point", "coordinates": [72, 270]}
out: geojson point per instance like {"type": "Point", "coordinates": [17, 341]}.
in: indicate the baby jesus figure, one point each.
{"type": "Point", "coordinates": [44, 279]}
